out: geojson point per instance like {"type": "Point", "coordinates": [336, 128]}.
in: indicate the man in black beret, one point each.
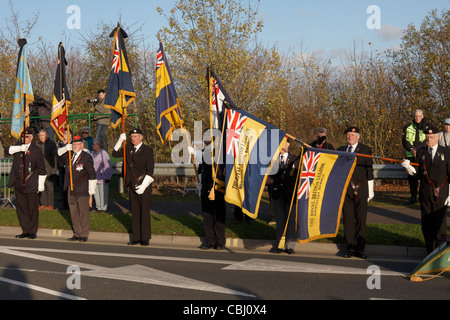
{"type": "Point", "coordinates": [27, 176]}
{"type": "Point", "coordinates": [139, 172]}
{"type": "Point", "coordinates": [434, 175]}
{"type": "Point", "coordinates": [359, 193]}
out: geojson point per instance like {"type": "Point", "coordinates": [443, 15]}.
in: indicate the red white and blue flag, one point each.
{"type": "Point", "coordinates": [310, 160]}
{"type": "Point", "coordinates": [235, 123]}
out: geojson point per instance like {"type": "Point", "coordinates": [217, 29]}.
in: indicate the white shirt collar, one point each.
{"type": "Point", "coordinates": [138, 146]}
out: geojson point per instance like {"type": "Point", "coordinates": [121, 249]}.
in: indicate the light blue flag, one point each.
{"type": "Point", "coordinates": [23, 95]}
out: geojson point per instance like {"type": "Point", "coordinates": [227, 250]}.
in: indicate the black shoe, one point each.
{"type": "Point", "coordinates": [132, 243]}
{"type": "Point", "coordinates": [412, 200]}
{"type": "Point", "coordinates": [360, 254]}
{"type": "Point", "coordinates": [145, 243]}
{"type": "Point", "coordinates": [219, 247]}
{"type": "Point", "coordinates": [83, 239]}
{"type": "Point", "coordinates": [206, 246]}
{"type": "Point", "coordinates": [348, 254]}
{"type": "Point", "coordinates": [22, 235]}
{"type": "Point", "coordinates": [290, 251]}
{"type": "Point", "coordinates": [73, 239]}
{"type": "Point", "coordinates": [32, 236]}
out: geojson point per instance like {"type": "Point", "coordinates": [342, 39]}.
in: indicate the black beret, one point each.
{"type": "Point", "coordinates": [351, 129]}
{"type": "Point", "coordinates": [28, 130]}
{"type": "Point", "coordinates": [136, 130]}
{"type": "Point", "coordinates": [430, 129]}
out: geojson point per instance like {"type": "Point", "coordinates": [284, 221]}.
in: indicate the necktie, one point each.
{"type": "Point", "coordinates": [282, 162]}
{"type": "Point", "coordinates": [350, 149]}
{"type": "Point", "coordinates": [430, 151]}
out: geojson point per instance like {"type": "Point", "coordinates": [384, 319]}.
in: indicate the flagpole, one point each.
{"type": "Point", "coordinates": [282, 242]}
{"type": "Point", "coordinates": [63, 96]}
{"type": "Point", "coordinates": [358, 154]}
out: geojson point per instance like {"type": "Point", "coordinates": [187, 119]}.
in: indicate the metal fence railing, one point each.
{"type": "Point", "coordinates": [5, 168]}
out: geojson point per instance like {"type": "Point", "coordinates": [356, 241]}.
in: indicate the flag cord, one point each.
{"type": "Point", "coordinates": [419, 279]}
{"type": "Point", "coordinates": [282, 242]}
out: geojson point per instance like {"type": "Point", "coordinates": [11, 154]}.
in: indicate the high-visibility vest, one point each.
{"type": "Point", "coordinates": [411, 137]}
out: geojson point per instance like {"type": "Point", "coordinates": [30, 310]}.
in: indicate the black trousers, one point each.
{"type": "Point", "coordinates": [355, 218]}
{"type": "Point", "coordinates": [214, 215]}
{"type": "Point", "coordinates": [281, 209]}
{"type": "Point", "coordinates": [434, 226]}
{"type": "Point", "coordinates": [140, 205]}
{"type": "Point", "coordinates": [27, 205]}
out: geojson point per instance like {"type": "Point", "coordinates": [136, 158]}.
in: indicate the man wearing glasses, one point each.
{"type": "Point", "coordinates": [27, 176]}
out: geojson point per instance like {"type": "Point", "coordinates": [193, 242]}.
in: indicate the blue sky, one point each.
{"type": "Point", "coordinates": [323, 27]}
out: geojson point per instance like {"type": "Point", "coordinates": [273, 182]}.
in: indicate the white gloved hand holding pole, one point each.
{"type": "Point", "coordinates": [409, 168]}
{"type": "Point", "coordinates": [15, 149]}
{"type": "Point", "coordinates": [62, 150]}
{"type": "Point", "coordinates": [122, 138]}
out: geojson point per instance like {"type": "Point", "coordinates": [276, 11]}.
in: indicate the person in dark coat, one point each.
{"type": "Point", "coordinates": [320, 142]}
{"type": "Point", "coordinates": [27, 176]}
{"type": "Point", "coordinates": [281, 187]}
{"type": "Point", "coordinates": [214, 210]}
{"type": "Point", "coordinates": [434, 175]}
{"type": "Point", "coordinates": [139, 171]}
{"type": "Point", "coordinates": [359, 193]}
{"type": "Point", "coordinates": [84, 181]}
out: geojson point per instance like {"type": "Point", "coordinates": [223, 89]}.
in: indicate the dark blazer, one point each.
{"type": "Point", "coordinates": [326, 145]}
{"type": "Point", "coordinates": [438, 172]}
{"type": "Point", "coordinates": [34, 165]}
{"type": "Point", "coordinates": [82, 171]}
{"type": "Point", "coordinates": [138, 164]}
{"type": "Point", "coordinates": [363, 171]}
{"type": "Point", "coordinates": [283, 182]}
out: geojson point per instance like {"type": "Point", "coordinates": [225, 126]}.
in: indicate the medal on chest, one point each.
{"type": "Point", "coordinates": [79, 167]}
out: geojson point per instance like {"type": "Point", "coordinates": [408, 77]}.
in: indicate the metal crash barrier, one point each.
{"type": "Point", "coordinates": [381, 171]}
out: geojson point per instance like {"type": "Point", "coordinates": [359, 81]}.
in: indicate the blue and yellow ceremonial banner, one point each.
{"type": "Point", "coordinates": [120, 93]}
{"type": "Point", "coordinates": [324, 179]}
{"type": "Point", "coordinates": [251, 147]}
{"type": "Point", "coordinates": [168, 111]}
{"type": "Point", "coordinates": [61, 97]}
{"type": "Point", "coordinates": [23, 95]}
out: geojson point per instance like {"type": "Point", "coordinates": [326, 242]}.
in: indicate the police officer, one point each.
{"type": "Point", "coordinates": [359, 192]}
{"type": "Point", "coordinates": [412, 140]}
{"type": "Point", "coordinates": [27, 176]}
{"type": "Point", "coordinates": [139, 172]}
{"type": "Point", "coordinates": [434, 175]}
{"type": "Point", "coordinates": [84, 181]}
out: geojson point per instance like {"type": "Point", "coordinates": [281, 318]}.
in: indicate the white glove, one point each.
{"type": "Point", "coordinates": [92, 185]}
{"type": "Point", "coordinates": [122, 138]}
{"type": "Point", "coordinates": [144, 185]}
{"type": "Point", "coordinates": [371, 192]}
{"type": "Point", "coordinates": [447, 201]}
{"type": "Point", "coordinates": [15, 149]}
{"type": "Point", "coordinates": [409, 168]}
{"type": "Point", "coordinates": [41, 185]}
{"type": "Point", "coordinates": [62, 150]}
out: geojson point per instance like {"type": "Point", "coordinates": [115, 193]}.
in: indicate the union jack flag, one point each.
{"type": "Point", "coordinates": [159, 59]}
{"type": "Point", "coordinates": [116, 55]}
{"type": "Point", "coordinates": [310, 160]}
{"type": "Point", "coordinates": [235, 123]}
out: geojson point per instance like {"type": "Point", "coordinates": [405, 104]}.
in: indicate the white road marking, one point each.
{"type": "Point", "coordinates": [289, 266]}
{"type": "Point", "coordinates": [41, 289]}
{"type": "Point", "coordinates": [141, 274]}
{"type": "Point", "coordinates": [134, 273]}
